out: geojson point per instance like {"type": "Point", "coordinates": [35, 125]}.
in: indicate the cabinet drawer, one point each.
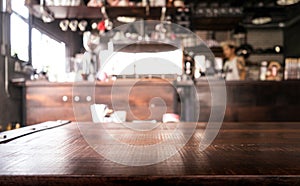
{"type": "Point", "coordinates": [142, 101]}
{"type": "Point", "coordinates": [57, 96]}
{"type": "Point", "coordinates": [37, 115]}
{"type": "Point", "coordinates": [48, 96]}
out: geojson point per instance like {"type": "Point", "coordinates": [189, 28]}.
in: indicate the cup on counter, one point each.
{"type": "Point", "coordinates": [99, 112]}
{"type": "Point", "coordinates": [119, 116]}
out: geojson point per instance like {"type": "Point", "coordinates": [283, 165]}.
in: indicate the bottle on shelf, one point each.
{"type": "Point", "coordinates": [188, 62]}
{"type": "Point", "coordinates": [263, 70]}
{"type": "Point", "coordinates": [200, 66]}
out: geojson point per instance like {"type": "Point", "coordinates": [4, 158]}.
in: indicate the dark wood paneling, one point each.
{"type": "Point", "coordinates": [255, 101]}
{"type": "Point", "coordinates": [10, 106]}
{"type": "Point", "coordinates": [214, 23]}
{"type": "Point", "coordinates": [246, 100]}
{"type": "Point", "coordinates": [151, 47]}
{"type": "Point", "coordinates": [292, 39]}
{"type": "Point", "coordinates": [39, 114]}
{"type": "Point", "coordinates": [84, 12]}
{"type": "Point", "coordinates": [142, 100]}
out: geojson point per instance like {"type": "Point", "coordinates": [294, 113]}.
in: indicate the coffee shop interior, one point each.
{"type": "Point", "coordinates": [68, 65]}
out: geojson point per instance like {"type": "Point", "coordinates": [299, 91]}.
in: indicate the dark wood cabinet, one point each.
{"type": "Point", "coordinates": [142, 100]}
{"type": "Point", "coordinates": [254, 101]}
{"type": "Point", "coordinates": [150, 99]}
{"type": "Point", "coordinates": [45, 103]}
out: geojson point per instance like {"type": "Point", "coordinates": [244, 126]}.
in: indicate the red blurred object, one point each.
{"type": "Point", "coordinates": [101, 26]}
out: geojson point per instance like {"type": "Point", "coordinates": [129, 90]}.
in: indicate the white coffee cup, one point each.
{"type": "Point", "coordinates": [98, 112]}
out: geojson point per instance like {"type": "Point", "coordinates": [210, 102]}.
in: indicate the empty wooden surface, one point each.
{"type": "Point", "coordinates": [242, 154]}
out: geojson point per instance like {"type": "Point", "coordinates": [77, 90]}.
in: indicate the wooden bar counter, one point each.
{"type": "Point", "coordinates": [71, 101]}
{"type": "Point", "coordinates": [267, 100]}
{"type": "Point", "coordinates": [248, 153]}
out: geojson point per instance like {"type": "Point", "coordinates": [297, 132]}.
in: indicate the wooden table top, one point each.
{"type": "Point", "coordinates": [242, 154]}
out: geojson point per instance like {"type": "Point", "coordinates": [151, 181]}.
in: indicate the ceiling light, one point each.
{"type": "Point", "coordinates": [261, 18]}
{"type": "Point", "coordinates": [287, 2]}
{"type": "Point", "coordinates": [125, 19]}
{"type": "Point", "coordinates": [94, 25]}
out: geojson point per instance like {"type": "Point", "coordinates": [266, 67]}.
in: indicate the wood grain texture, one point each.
{"type": "Point", "coordinates": [44, 100]}
{"type": "Point", "coordinates": [254, 101]}
{"type": "Point", "coordinates": [242, 154]}
{"type": "Point", "coordinates": [246, 100]}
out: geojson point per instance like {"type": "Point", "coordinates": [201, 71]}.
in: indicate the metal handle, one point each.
{"type": "Point", "coordinates": [6, 77]}
{"type": "Point", "coordinates": [76, 98]}
{"type": "Point", "coordinates": [65, 98]}
{"type": "Point", "coordinates": [88, 98]}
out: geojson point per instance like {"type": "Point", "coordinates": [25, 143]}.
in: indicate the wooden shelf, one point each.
{"type": "Point", "coordinates": [82, 11]}
{"type": "Point", "coordinates": [203, 50]}
{"type": "Point", "coordinates": [78, 12]}
{"type": "Point", "coordinates": [215, 23]}
{"type": "Point", "coordinates": [267, 54]}
{"type": "Point", "coordinates": [154, 12]}
{"type": "Point", "coordinates": [145, 47]}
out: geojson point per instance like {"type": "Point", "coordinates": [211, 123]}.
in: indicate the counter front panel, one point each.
{"type": "Point", "coordinates": [142, 100]}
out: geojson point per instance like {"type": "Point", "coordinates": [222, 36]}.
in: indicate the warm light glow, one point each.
{"type": "Point", "coordinates": [48, 55]}
{"type": "Point", "coordinates": [277, 49]}
{"type": "Point", "coordinates": [123, 63]}
{"type": "Point", "coordinates": [261, 20]}
{"type": "Point", "coordinates": [287, 2]}
{"type": "Point", "coordinates": [125, 19]}
{"type": "Point", "coordinates": [19, 39]}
